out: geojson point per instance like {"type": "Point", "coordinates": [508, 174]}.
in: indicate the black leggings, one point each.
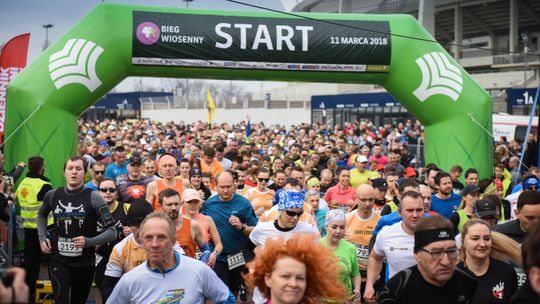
{"type": "Point", "coordinates": [67, 280]}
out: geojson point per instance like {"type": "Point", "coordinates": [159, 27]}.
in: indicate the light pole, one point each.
{"type": "Point", "coordinates": [525, 39]}
{"type": "Point", "coordinates": [47, 27]}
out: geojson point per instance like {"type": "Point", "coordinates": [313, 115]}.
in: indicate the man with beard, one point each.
{"type": "Point", "coordinates": [435, 278]}
{"type": "Point", "coordinates": [98, 173]}
{"type": "Point", "coordinates": [232, 150]}
{"type": "Point", "coordinates": [188, 232]}
{"type": "Point", "coordinates": [445, 202]}
{"type": "Point", "coordinates": [132, 186]}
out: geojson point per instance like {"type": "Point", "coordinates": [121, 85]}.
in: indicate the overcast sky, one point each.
{"type": "Point", "coordinates": [29, 16]}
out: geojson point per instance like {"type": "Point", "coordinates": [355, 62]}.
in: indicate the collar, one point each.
{"type": "Point", "coordinates": [157, 270]}
{"type": "Point", "coordinates": [279, 228]}
{"type": "Point", "coordinates": [36, 175]}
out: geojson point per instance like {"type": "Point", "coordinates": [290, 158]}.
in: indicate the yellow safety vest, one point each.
{"type": "Point", "coordinates": [27, 198]}
{"type": "Point", "coordinates": [463, 218]}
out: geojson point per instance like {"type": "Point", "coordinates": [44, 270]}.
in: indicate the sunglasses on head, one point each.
{"type": "Point", "coordinates": [293, 214]}
{"type": "Point", "coordinates": [110, 190]}
{"type": "Point", "coordinates": [263, 179]}
{"type": "Point", "coordinates": [99, 172]}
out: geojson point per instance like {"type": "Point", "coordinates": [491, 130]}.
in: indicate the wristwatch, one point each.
{"type": "Point", "coordinates": [216, 252]}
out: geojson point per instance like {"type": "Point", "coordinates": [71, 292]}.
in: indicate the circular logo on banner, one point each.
{"type": "Point", "coordinates": [148, 33]}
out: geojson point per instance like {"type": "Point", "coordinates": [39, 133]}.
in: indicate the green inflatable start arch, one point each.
{"type": "Point", "coordinates": [114, 41]}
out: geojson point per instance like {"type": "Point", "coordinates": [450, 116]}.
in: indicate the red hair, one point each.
{"type": "Point", "coordinates": [322, 268]}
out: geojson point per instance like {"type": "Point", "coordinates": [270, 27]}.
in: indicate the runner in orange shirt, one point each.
{"type": "Point", "coordinates": [361, 223]}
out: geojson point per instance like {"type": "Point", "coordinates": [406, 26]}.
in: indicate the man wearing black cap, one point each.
{"type": "Point", "coordinates": [486, 210]}
{"type": "Point", "coordinates": [132, 186]}
{"type": "Point", "coordinates": [435, 278]}
{"type": "Point", "coordinates": [528, 212]}
{"type": "Point", "coordinates": [380, 185]}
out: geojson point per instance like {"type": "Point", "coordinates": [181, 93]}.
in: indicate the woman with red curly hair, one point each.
{"type": "Point", "coordinates": [298, 270]}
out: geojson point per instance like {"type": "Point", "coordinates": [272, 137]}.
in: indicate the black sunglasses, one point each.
{"type": "Point", "coordinates": [263, 179]}
{"type": "Point", "coordinates": [99, 172]}
{"type": "Point", "coordinates": [293, 214]}
{"type": "Point", "coordinates": [110, 190]}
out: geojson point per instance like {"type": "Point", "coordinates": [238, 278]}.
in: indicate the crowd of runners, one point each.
{"type": "Point", "coordinates": [248, 213]}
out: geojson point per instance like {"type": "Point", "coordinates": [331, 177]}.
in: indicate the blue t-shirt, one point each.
{"type": "Point", "coordinates": [220, 211]}
{"type": "Point", "coordinates": [90, 185]}
{"type": "Point", "coordinates": [113, 170]}
{"type": "Point", "coordinates": [445, 207]}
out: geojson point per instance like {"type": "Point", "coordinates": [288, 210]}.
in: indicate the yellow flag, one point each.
{"type": "Point", "coordinates": [211, 106]}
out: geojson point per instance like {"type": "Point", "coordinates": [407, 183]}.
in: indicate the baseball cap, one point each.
{"type": "Point", "coordinates": [135, 160]}
{"type": "Point", "coordinates": [530, 182]}
{"type": "Point", "coordinates": [380, 167]}
{"type": "Point", "coordinates": [409, 172]}
{"type": "Point", "coordinates": [103, 143]}
{"type": "Point", "coordinates": [485, 207]}
{"type": "Point", "coordinates": [191, 194]}
{"type": "Point", "coordinates": [379, 183]}
{"type": "Point", "coordinates": [361, 159]}
{"type": "Point", "coordinates": [195, 171]}
{"type": "Point", "coordinates": [469, 189]}
{"type": "Point", "coordinates": [138, 210]}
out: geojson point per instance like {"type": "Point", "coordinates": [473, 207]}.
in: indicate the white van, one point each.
{"type": "Point", "coordinates": [512, 126]}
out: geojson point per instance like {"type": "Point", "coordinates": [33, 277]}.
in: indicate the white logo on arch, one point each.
{"type": "Point", "coordinates": [76, 63]}
{"type": "Point", "coordinates": [439, 76]}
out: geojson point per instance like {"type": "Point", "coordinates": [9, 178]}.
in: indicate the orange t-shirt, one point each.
{"type": "Point", "coordinates": [214, 169]}
{"type": "Point", "coordinates": [358, 231]}
{"type": "Point", "coordinates": [260, 199]}
{"type": "Point", "coordinates": [185, 239]}
{"type": "Point", "coordinates": [178, 186]}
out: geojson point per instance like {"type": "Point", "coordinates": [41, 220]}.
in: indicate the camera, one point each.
{"type": "Point", "coordinates": [8, 183]}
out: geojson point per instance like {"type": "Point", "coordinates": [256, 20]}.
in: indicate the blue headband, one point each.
{"type": "Point", "coordinates": [290, 199]}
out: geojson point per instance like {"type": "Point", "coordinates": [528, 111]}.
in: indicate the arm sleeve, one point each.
{"type": "Point", "coordinates": [109, 234]}
{"type": "Point", "coordinates": [43, 213]}
{"type": "Point", "coordinates": [16, 173]}
{"type": "Point", "coordinates": [386, 210]}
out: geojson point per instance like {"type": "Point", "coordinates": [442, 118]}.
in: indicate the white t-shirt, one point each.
{"type": "Point", "coordinates": [268, 230]}
{"type": "Point", "coordinates": [513, 198]}
{"type": "Point", "coordinates": [190, 281]}
{"type": "Point", "coordinates": [397, 246]}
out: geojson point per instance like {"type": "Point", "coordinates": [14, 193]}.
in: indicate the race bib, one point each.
{"type": "Point", "coordinates": [66, 247]}
{"type": "Point", "coordinates": [362, 252]}
{"type": "Point", "coordinates": [235, 260]}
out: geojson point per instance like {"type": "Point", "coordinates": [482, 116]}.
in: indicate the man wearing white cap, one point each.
{"type": "Point", "coordinates": [359, 174]}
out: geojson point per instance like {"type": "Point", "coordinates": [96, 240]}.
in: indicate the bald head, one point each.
{"type": "Point", "coordinates": [365, 197]}
{"type": "Point", "coordinates": [425, 191]}
{"type": "Point", "coordinates": [365, 189]}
